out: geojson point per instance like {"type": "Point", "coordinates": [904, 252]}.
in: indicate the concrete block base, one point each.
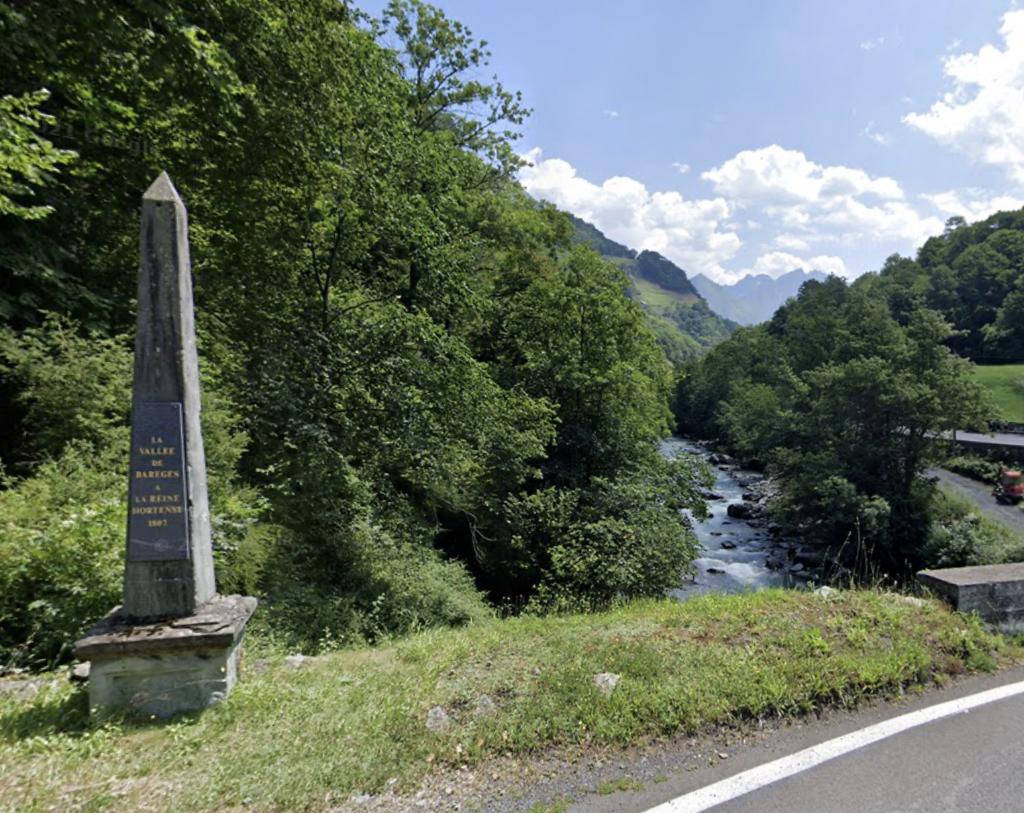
{"type": "Point", "coordinates": [994, 592]}
{"type": "Point", "coordinates": [160, 669]}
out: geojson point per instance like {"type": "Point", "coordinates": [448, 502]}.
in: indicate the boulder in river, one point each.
{"type": "Point", "coordinates": [739, 510]}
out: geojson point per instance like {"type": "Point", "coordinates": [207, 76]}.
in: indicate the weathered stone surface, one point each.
{"type": "Point", "coordinates": [438, 719]}
{"type": "Point", "coordinates": [994, 592]}
{"type": "Point", "coordinates": [215, 625]}
{"type": "Point", "coordinates": [484, 706]}
{"type": "Point", "coordinates": [167, 372]}
{"type": "Point", "coordinates": [164, 669]}
{"type": "Point", "coordinates": [606, 682]}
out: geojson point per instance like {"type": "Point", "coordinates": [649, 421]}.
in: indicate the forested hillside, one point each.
{"type": "Point", "coordinates": [974, 276]}
{"type": "Point", "coordinates": [421, 401]}
{"type": "Point", "coordinates": [684, 324]}
{"type": "Point", "coordinates": [840, 392]}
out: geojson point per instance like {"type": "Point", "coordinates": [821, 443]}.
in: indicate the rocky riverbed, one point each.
{"type": "Point", "coordinates": [741, 548]}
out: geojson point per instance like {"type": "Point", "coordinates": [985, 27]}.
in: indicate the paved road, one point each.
{"type": "Point", "coordinates": [981, 494]}
{"type": "Point", "coordinates": [995, 439]}
{"type": "Point", "coordinates": [968, 763]}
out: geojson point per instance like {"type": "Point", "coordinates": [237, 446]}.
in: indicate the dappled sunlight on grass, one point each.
{"type": "Point", "coordinates": [299, 737]}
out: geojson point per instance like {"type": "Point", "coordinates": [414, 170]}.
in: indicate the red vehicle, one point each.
{"type": "Point", "coordinates": [1009, 487]}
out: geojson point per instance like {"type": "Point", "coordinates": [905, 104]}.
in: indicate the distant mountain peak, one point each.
{"type": "Point", "coordinates": [755, 297]}
{"type": "Point", "coordinates": [682, 321]}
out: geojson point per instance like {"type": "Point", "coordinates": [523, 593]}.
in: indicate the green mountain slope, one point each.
{"type": "Point", "coordinates": [686, 327]}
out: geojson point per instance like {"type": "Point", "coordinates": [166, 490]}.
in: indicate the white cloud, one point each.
{"type": "Point", "coordinates": [806, 213]}
{"type": "Point", "coordinates": [870, 45]}
{"type": "Point", "coordinates": [777, 263]}
{"type": "Point", "coordinates": [612, 114]}
{"type": "Point", "coordinates": [879, 138]}
{"type": "Point", "coordinates": [972, 204]}
{"type": "Point", "coordinates": [689, 232]}
{"type": "Point", "coordinates": [682, 168]}
{"type": "Point", "coordinates": [792, 242]}
{"type": "Point", "coordinates": [776, 176]}
{"type": "Point", "coordinates": [820, 203]}
{"type": "Point", "coordinates": [983, 114]}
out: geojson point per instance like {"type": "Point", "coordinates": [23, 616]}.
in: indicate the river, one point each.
{"type": "Point", "coordinates": [735, 554]}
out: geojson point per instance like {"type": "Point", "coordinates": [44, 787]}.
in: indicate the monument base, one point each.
{"type": "Point", "coordinates": [994, 592]}
{"type": "Point", "coordinates": [162, 668]}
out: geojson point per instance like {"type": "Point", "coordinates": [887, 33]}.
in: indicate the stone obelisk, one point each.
{"type": "Point", "coordinates": [169, 562]}
{"type": "Point", "coordinates": [174, 644]}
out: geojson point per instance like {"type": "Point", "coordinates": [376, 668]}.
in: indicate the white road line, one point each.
{"type": "Point", "coordinates": [762, 775]}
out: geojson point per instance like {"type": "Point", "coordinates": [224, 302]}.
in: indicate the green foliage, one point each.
{"type": "Point", "coordinates": [621, 539]}
{"type": "Point", "coordinates": [971, 275]}
{"type": "Point", "coordinates": [60, 554]}
{"type": "Point", "coordinates": [70, 386]}
{"type": "Point", "coordinates": [842, 401]}
{"type": "Point", "coordinates": [683, 323]}
{"type": "Point", "coordinates": [27, 159]}
{"type": "Point", "coordinates": [959, 536]}
{"type": "Point", "coordinates": [977, 468]}
{"type": "Point", "coordinates": [397, 343]}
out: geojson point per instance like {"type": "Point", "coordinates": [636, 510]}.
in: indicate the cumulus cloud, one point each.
{"type": "Point", "coordinates": [821, 203]}
{"type": "Point", "coordinates": [792, 242]}
{"type": "Point", "coordinates": [777, 263]}
{"type": "Point", "coordinates": [805, 213]}
{"type": "Point", "coordinates": [689, 232]}
{"type": "Point", "coordinates": [983, 114]}
{"type": "Point", "coordinates": [681, 168]}
{"type": "Point", "coordinates": [870, 45]}
{"type": "Point", "coordinates": [972, 204]}
{"type": "Point", "coordinates": [776, 176]}
{"type": "Point", "coordinates": [612, 114]}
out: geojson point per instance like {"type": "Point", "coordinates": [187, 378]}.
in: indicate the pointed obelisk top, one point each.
{"type": "Point", "coordinates": [162, 190]}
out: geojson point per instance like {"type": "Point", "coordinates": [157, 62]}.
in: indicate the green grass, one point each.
{"type": "Point", "coordinates": [1005, 385]}
{"type": "Point", "coordinates": [658, 297]}
{"type": "Point", "coordinates": [619, 786]}
{"type": "Point", "coordinates": [978, 539]}
{"type": "Point", "coordinates": [307, 738]}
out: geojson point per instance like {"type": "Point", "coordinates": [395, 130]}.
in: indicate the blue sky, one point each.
{"type": "Point", "coordinates": [740, 137]}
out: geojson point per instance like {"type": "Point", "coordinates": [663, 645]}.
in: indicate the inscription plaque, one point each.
{"type": "Point", "coordinates": [157, 493]}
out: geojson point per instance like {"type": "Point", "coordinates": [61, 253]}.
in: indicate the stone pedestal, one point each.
{"type": "Point", "coordinates": [994, 592]}
{"type": "Point", "coordinates": [163, 668]}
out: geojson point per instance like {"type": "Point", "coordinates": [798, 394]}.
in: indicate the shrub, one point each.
{"type": "Point", "coordinates": [976, 468]}
{"type": "Point", "coordinates": [61, 549]}
{"type": "Point", "coordinates": [362, 586]}
{"type": "Point", "coordinates": [960, 536]}
{"type": "Point", "coordinates": [619, 539]}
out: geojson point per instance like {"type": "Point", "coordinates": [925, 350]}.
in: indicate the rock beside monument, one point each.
{"type": "Point", "coordinates": [438, 719]}
{"type": "Point", "coordinates": [485, 706]}
{"type": "Point", "coordinates": [606, 682]}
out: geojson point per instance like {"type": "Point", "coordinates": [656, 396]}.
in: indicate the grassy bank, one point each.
{"type": "Point", "coordinates": [302, 738]}
{"type": "Point", "coordinates": [968, 537]}
{"type": "Point", "coordinates": [1003, 384]}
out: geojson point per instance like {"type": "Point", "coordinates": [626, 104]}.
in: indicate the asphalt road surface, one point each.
{"type": "Point", "coordinates": [981, 495]}
{"type": "Point", "coordinates": [969, 762]}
